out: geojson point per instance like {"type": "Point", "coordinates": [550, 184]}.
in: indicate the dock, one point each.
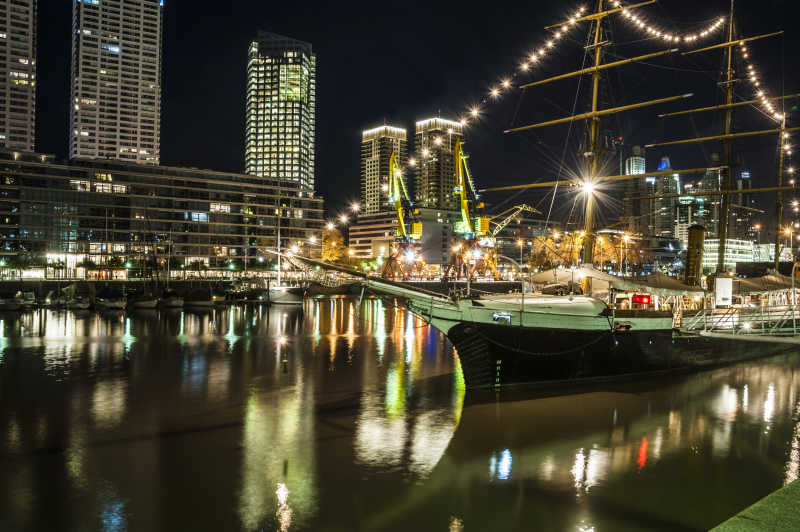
{"type": "Point", "coordinates": [776, 511]}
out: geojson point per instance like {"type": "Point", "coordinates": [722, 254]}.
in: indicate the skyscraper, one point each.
{"type": "Point", "coordinates": [434, 144]}
{"type": "Point", "coordinates": [377, 146]}
{"type": "Point", "coordinates": [712, 182]}
{"type": "Point", "coordinates": [635, 211]}
{"type": "Point", "coordinates": [665, 207]}
{"type": "Point", "coordinates": [18, 83]}
{"type": "Point", "coordinates": [281, 109]}
{"type": "Point", "coordinates": [116, 80]}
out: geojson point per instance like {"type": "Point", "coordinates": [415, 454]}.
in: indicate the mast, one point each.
{"type": "Point", "coordinates": [779, 196]}
{"type": "Point", "coordinates": [594, 144]}
{"type": "Point", "coordinates": [280, 212]}
{"type": "Point", "coordinates": [727, 176]}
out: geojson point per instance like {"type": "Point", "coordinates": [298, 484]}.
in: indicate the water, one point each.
{"type": "Point", "coordinates": [334, 418]}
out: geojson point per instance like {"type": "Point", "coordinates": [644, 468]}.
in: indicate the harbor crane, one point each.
{"type": "Point", "coordinates": [404, 260]}
{"type": "Point", "coordinates": [467, 254]}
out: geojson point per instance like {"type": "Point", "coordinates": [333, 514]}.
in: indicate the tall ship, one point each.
{"type": "Point", "coordinates": [606, 326]}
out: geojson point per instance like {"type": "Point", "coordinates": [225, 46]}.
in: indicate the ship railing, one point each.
{"type": "Point", "coordinates": [776, 320]}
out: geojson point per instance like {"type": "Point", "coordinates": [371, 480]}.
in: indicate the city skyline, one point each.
{"type": "Point", "coordinates": [446, 77]}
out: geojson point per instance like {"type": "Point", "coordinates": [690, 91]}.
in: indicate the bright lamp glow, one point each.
{"type": "Point", "coordinates": [588, 187]}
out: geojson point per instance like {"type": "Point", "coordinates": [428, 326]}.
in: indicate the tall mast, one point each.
{"type": "Point", "coordinates": [779, 197]}
{"type": "Point", "coordinates": [727, 176]}
{"type": "Point", "coordinates": [594, 142]}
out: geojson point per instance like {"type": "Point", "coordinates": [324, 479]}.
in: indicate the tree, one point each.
{"type": "Point", "coordinates": [604, 251]}
{"type": "Point", "coordinates": [543, 253]}
{"type": "Point", "coordinates": [569, 248]}
{"type": "Point", "coordinates": [333, 249]}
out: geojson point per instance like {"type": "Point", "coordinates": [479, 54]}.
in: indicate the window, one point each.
{"type": "Point", "coordinates": [196, 216]}
{"type": "Point", "coordinates": [104, 188]}
{"type": "Point", "coordinates": [220, 207]}
{"type": "Point", "coordinates": [119, 189]}
{"type": "Point", "coordinates": [79, 185]}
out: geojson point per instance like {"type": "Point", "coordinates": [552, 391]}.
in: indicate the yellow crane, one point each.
{"type": "Point", "coordinates": [403, 259]}
{"type": "Point", "coordinates": [467, 253]}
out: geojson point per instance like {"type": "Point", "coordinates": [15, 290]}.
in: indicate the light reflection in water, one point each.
{"type": "Point", "coordinates": [260, 409]}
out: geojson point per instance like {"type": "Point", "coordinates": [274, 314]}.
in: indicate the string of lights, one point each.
{"type": "Point", "coordinates": [752, 77]}
{"type": "Point", "coordinates": [505, 85]}
{"type": "Point", "coordinates": [657, 31]}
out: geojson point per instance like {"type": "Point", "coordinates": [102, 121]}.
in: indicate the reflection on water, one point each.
{"type": "Point", "coordinates": [353, 416]}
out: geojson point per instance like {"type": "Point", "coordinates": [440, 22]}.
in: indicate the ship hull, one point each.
{"type": "Point", "coordinates": [493, 355]}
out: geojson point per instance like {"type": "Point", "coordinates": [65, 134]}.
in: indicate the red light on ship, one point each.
{"type": "Point", "coordinates": [642, 299]}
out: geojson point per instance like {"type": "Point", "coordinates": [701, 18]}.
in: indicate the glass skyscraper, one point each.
{"type": "Point", "coordinates": [115, 108]}
{"type": "Point", "coordinates": [18, 82]}
{"type": "Point", "coordinates": [281, 109]}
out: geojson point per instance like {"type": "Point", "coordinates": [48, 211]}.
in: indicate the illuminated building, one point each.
{"type": "Point", "coordinates": [377, 146]}
{"type": "Point", "coordinates": [18, 83]}
{"type": "Point", "coordinates": [115, 105]}
{"type": "Point", "coordinates": [100, 210]}
{"type": "Point", "coordinates": [434, 146]}
{"type": "Point", "coordinates": [374, 235]}
{"type": "Point", "coordinates": [637, 214]}
{"type": "Point", "coordinates": [664, 214]}
{"type": "Point", "coordinates": [280, 110]}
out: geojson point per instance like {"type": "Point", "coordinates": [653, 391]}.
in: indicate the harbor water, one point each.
{"type": "Point", "coordinates": [346, 415]}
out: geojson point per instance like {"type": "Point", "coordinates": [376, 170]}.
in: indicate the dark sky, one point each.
{"type": "Point", "coordinates": [405, 60]}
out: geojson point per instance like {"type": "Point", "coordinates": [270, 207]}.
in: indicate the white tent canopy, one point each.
{"type": "Point", "coordinates": [656, 283]}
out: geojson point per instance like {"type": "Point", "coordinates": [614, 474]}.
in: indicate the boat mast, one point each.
{"type": "Point", "coordinates": [779, 196]}
{"type": "Point", "coordinates": [594, 142]}
{"type": "Point", "coordinates": [727, 171]}
{"type": "Point", "coordinates": [280, 211]}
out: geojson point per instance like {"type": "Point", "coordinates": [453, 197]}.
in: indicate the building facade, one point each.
{"type": "Point", "coordinates": [18, 82]}
{"type": "Point", "coordinates": [636, 213]}
{"type": "Point", "coordinates": [91, 210]}
{"type": "Point", "coordinates": [665, 207]}
{"type": "Point", "coordinates": [434, 145]}
{"type": "Point", "coordinates": [115, 105]}
{"type": "Point", "coordinates": [281, 110]}
{"type": "Point", "coordinates": [373, 235]}
{"type": "Point", "coordinates": [377, 146]}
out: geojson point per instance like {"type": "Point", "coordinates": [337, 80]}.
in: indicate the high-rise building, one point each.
{"type": "Point", "coordinates": [377, 146]}
{"type": "Point", "coordinates": [434, 144]}
{"type": "Point", "coordinates": [115, 110]}
{"type": "Point", "coordinates": [743, 209]}
{"type": "Point", "coordinates": [635, 211]}
{"type": "Point", "coordinates": [18, 83]}
{"type": "Point", "coordinates": [281, 109]}
{"type": "Point", "coordinates": [712, 182]}
{"type": "Point", "coordinates": [665, 207]}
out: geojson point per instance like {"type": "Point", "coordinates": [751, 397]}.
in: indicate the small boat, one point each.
{"type": "Point", "coordinates": [199, 299]}
{"type": "Point", "coordinates": [110, 299]}
{"type": "Point", "coordinates": [28, 300]}
{"type": "Point", "coordinates": [219, 296]}
{"type": "Point", "coordinates": [286, 295]}
{"type": "Point", "coordinates": [170, 299]}
{"type": "Point", "coordinates": [142, 301]}
{"type": "Point", "coordinates": [10, 302]}
{"type": "Point", "coordinates": [77, 303]}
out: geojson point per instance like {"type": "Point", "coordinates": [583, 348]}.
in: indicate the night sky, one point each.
{"type": "Point", "coordinates": [403, 61]}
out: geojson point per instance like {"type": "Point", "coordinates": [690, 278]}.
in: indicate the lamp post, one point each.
{"type": "Point", "coordinates": [788, 231]}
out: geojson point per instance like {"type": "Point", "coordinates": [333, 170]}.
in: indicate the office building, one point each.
{"type": "Point", "coordinates": [712, 182]}
{"type": "Point", "coordinates": [18, 83]}
{"type": "Point", "coordinates": [373, 235]}
{"type": "Point", "coordinates": [690, 210]}
{"type": "Point", "coordinates": [281, 110]}
{"type": "Point", "coordinates": [637, 213]}
{"type": "Point", "coordinates": [115, 110]}
{"type": "Point", "coordinates": [434, 145]}
{"type": "Point", "coordinates": [377, 146]}
{"type": "Point", "coordinates": [664, 212]}
{"type": "Point", "coordinates": [743, 209]}
{"type": "Point", "coordinates": [97, 210]}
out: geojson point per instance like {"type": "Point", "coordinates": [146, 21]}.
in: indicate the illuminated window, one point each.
{"type": "Point", "coordinates": [79, 185]}
{"type": "Point", "coordinates": [220, 207]}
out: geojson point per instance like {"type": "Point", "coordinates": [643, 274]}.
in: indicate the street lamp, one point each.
{"type": "Point", "coordinates": [330, 226]}
{"type": "Point", "coordinates": [355, 207]}
{"type": "Point", "coordinates": [519, 243]}
{"type": "Point", "coordinates": [344, 219]}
